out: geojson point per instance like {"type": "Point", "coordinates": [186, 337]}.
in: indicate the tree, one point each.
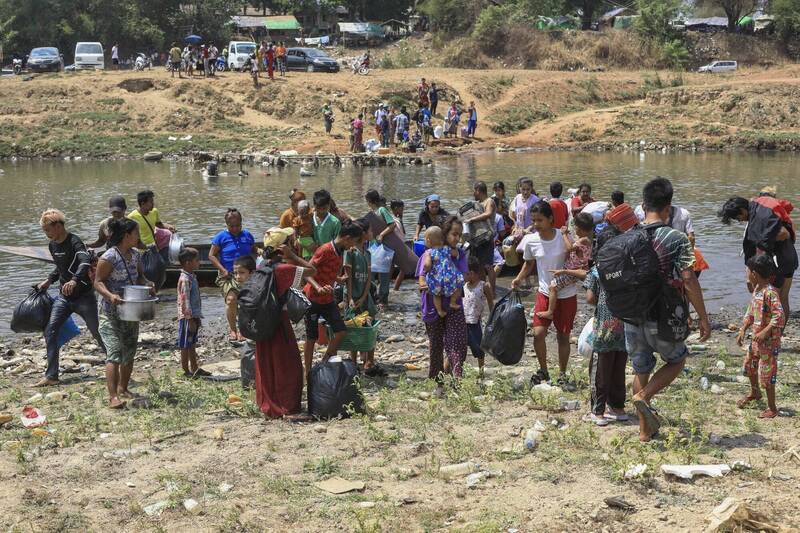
{"type": "Point", "coordinates": [453, 16]}
{"type": "Point", "coordinates": [734, 9]}
{"type": "Point", "coordinates": [587, 9]}
{"type": "Point", "coordinates": [787, 17]}
{"type": "Point", "coordinates": [655, 19]}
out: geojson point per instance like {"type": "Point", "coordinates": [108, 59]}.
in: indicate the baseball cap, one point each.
{"type": "Point", "coordinates": [117, 203]}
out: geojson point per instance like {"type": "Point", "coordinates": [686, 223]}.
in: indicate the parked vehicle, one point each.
{"type": "Point", "coordinates": [221, 64]}
{"type": "Point", "coordinates": [719, 66]}
{"type": "Point", "coordinates": [310, 60]}
{"type": "Point", "coordinates": [142, 62]}
{"type": "Point", "coordinates": [89, 56]}
{"type": "Point", "coordinates": [45, 59]}
{"type": "Point", "coordinates": [239, 54]}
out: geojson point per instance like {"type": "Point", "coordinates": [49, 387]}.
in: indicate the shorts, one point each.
{"type": "Point", "coordinates": [474, 337]}
{"type": "Point", "coordinates": [330, 312]}
{"type": "Point", "coordinates": [176, 65]}
{"type": "Point", "coordinates": [642, 342]}
{"type": "Point", "coordinates": [780, 277]}
{"type": "Point", "coordinates": [120, 338]}
{"type": "Point", "coordinates": [762, 361]}
{"type": "Point", "coordinates": [563, 316]}
{"type": "Point", "coordinates": [115, 61]}
{"type": "Point", "coordinates": [186, 338]}
{"type": "Point", "coordinates": [485, 254]}
{"type": "Point", "coordinates": [227, 285]}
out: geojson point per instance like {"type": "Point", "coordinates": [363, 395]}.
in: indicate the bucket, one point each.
{"type": "Point", "coordinates": [419, 247]}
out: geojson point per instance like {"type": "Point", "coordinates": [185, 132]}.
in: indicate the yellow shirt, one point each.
{"type": "Point", "coordinates": [145, 232]}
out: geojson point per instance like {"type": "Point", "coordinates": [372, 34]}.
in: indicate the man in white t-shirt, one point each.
{"type": "Point", "coordinates": [115, 56]}
{"type": "Point", "coordinates": [547, 250]}
{"type": "Point", "coordinates": [680, 219]}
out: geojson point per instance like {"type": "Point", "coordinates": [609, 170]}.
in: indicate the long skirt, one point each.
{"type": "Point", "coordinates": [279, 373]}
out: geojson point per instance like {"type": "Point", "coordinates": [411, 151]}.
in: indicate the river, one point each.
{"type": "Point", "coordinates": [196, 206]}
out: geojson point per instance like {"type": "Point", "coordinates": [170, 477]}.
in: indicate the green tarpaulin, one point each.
{"type": "Point", "coordinates": [287, 22]}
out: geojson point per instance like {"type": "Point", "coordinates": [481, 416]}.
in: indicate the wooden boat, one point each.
{"type": "Point", "coordinates": [206, 274]}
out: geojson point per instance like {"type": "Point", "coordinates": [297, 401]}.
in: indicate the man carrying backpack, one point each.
{"type": "Point", "coordinates": [647, 273]}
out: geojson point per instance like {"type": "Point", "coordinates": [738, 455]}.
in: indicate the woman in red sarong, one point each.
{"type": "Point", "coordinates": [279, 369]}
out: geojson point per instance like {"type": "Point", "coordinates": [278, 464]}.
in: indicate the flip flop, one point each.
{"type": "Point", "coordinates": [118, 405]}
{"type": "Point", "coordinates": [768, 413]}
{"type": "Point", "coordinates": [650, 415]}
{"type": "Point", "coordinates": [742, 403]}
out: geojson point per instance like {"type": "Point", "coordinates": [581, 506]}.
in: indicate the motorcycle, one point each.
{"type": "Point", "coordinates": [142, 62]}
{"type": "Point", "coordinates": [220, 65]}
{"type": "Point", "coordinates": [16, 65]}
{"type": "Point", "coordinates": [360, 66]}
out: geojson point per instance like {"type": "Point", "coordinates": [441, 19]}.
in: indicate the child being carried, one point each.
{"type": "Point", "coordinates": [579, 252]}
{"type": "Point", "coordinates": [440, 273]}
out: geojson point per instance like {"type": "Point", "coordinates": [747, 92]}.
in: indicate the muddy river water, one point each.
{"type": "Point", "coordinates": [196, 206]}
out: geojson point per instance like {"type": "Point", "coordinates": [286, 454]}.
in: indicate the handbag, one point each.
{"type": "Point", "coordinates": [297, 305]}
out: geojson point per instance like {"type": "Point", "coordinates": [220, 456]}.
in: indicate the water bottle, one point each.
{"type": "Point", "coordinates": [530, 439]}
{"type": "Point", "coordinates": [704, 383]}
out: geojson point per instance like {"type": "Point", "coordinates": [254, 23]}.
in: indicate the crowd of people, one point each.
{"type": "Point", "coordinates": [329, 255]}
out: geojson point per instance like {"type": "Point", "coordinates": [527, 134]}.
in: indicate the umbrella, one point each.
{"type": "Point", "coordinates": [193, 39]}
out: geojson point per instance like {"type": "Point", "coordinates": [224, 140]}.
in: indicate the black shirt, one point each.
{"type": "Point", "coordinates": [72, 262]}
{"type": "Point", "coordinates": [426, 220]}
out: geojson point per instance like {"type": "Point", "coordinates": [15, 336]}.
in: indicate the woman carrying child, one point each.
{"type": "Point", "coordinates": [449, 333]}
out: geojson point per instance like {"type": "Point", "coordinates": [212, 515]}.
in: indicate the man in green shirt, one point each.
{"type": "Point", "coordinates": [175, 59]}
{"type": "Point", "coordinates": [326, 226]}
{"type": "Point", "coordinates": [148, 219]}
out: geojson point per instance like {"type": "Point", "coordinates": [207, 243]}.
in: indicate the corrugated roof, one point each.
{"type": "Point", "coordinates": [710, 21]}
{"type": "Point", "coordinates": [247, 21]}
{"type": "Point", "coordinates": [361, 27]}
{"type": "Point", "coordinates": [282, 22]}
{"type": "Point", "coordinates": [613, 13]}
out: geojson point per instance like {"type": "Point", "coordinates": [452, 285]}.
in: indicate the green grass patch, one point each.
{"type": "Point", "coordinates": [517, 118]}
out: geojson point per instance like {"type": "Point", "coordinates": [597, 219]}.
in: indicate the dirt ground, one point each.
{"type": "Point", "coordinates": [124, 114]}
{"type": "Point", "coordinates": [97, 470]}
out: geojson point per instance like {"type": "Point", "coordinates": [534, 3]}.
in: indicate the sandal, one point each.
{"type": "Point", "coordinates": [201, 373]}
{"type": "Point", "coordinates": [539, 377]}
{"type": "Point", "coordinates": [768, 413]}
{"type": "Point", "coordinates": [742, 403]}
{"type": "Point", "coordinates": [649, 414]}
{"type": "Point", "coordinates": [375, 372]}
{"type": "Point", "coordinates": [115, 403]}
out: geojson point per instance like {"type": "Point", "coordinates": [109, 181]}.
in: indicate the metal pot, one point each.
{"type": "Point", "coordinates": [175, 247]}
{"type": "Point", "coordinates": [136, 293]}
{"type": "Point", "coordinates": [137, 310]}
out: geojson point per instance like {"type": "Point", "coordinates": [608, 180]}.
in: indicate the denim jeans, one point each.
{"type": "Point", "coordinates": [86, 307]}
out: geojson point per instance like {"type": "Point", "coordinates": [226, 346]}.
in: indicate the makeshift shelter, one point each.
{"type": "Point", "coordinates": [609, 18]}
{"type": "Point", "coordinates": [353, 33]}
{"type": "Point", "coordinates": [706, 24]}
{"type": "Point", "coordinates": [252, 26]}
{"type": "Point", "coordinates": [563, 22]}
{"type": "Point", "coordinates": [395, 29]}
{"type": "Point", "coordinates": [282, 27]}
{"type": "Point", "coordinates": [625, 22]}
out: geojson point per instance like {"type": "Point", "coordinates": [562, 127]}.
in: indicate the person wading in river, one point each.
{"type": "Point", "coordinates": [73, 263]}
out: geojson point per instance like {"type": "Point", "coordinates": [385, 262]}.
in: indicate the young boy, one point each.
{"type": "Point", "coordinates": [254, 70]}
{"type": "Point", "coordinates": [326, 226]}
{"type": "Point", "coordinates": [319, 289]}
{"type": "Point", "coordinates": [477, 296]}
{"type": "Point", "coordinates": [190, 312]}
{"type": "Point", "coordinates": [358, 273]}
{"type": "Point", "coordinates": [243, 268]}
{"type": "Point", "coordinates": [579, 252]}
{"type": "Point", "coordinates": [766, 315]}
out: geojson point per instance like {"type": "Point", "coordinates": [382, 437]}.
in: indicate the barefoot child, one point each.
{"type": "Point", "coordinates": [578, 259]}
{"type": "Point", "coordinates": [440, 274]}
{"type": "Point", "coordinates": [358, 271]}
{"type": "Point", "coordinates": [243, 268]}
{"type": "Point", "coordinates": [190, 312]}
{"type": "Point", "coordinates": [765, 314]}
{"type": "Point", "coordinates": [477, 297]}
{"type": "Point", "coordinates": [397, 207]}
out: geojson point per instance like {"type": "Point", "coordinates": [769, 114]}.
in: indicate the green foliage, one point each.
{"type": "Point", "coordinates": [518, 118]}
{"type": "Point", "coordinates": [491, 28]}
{"type": "Point", "coordinates": [452, 16]}
{"type": "Point", "coordinates": [787, 17]}
{"type": "Point", "coordinates": [655, 20]}
{"type": "Point", "coordinates": [675, 54]}
{"type": "Point", "coordinates": [406, 56]}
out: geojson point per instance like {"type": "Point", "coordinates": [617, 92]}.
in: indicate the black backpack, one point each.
{"type": "Point", "coordinates": [630, 275]}
{"type": "Point", "coordinates": [259, 306]}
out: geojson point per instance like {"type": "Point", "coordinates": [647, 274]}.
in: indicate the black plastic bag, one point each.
{"type": "Point", "coordinates": [32, 314]}
{"type": "Point", "coordinates": [504, 336]}
{"type": "Point", "coordinates": [154, 267]}
{"type": "Point", "coordinates": [247, 365]}
{"type": "Point", "coordinates": [332, 390]}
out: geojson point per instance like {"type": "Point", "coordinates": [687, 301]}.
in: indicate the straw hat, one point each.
{"type": "Point", "coordinates": [274, 237]}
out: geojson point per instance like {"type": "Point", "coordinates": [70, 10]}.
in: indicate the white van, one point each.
{"type": "Point", "coordinates": [239, 52]}
{"type": "Point", "coordinates": [719, 66]}
{"type": "Point", "coordinates": [89, 55]}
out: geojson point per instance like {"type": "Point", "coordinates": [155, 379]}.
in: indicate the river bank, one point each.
{"type": "Point", "coordinates": [135, 469]}
{"type": "Point", "coordinates": [123, 115]}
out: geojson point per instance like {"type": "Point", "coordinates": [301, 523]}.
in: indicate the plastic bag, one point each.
{"type": "Point", "coordinates": [504, 336]}
{"type": "Point", "coordinates": [332, 389]}
{"type": "Point", "coordinates": [381, 258]}
{"type": "Point", "coordinates": [68, 331]}
{"type": "Point", "coordinates": [297, 305]}
{"type": "Point", "coordinates": [32, 314]}
{"type": "Point", "coordinates": [247, 365]}
{"type": "Point", "coordinates": [154, 267]}
{"type": "Point", "coordinates": [586, 339]}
